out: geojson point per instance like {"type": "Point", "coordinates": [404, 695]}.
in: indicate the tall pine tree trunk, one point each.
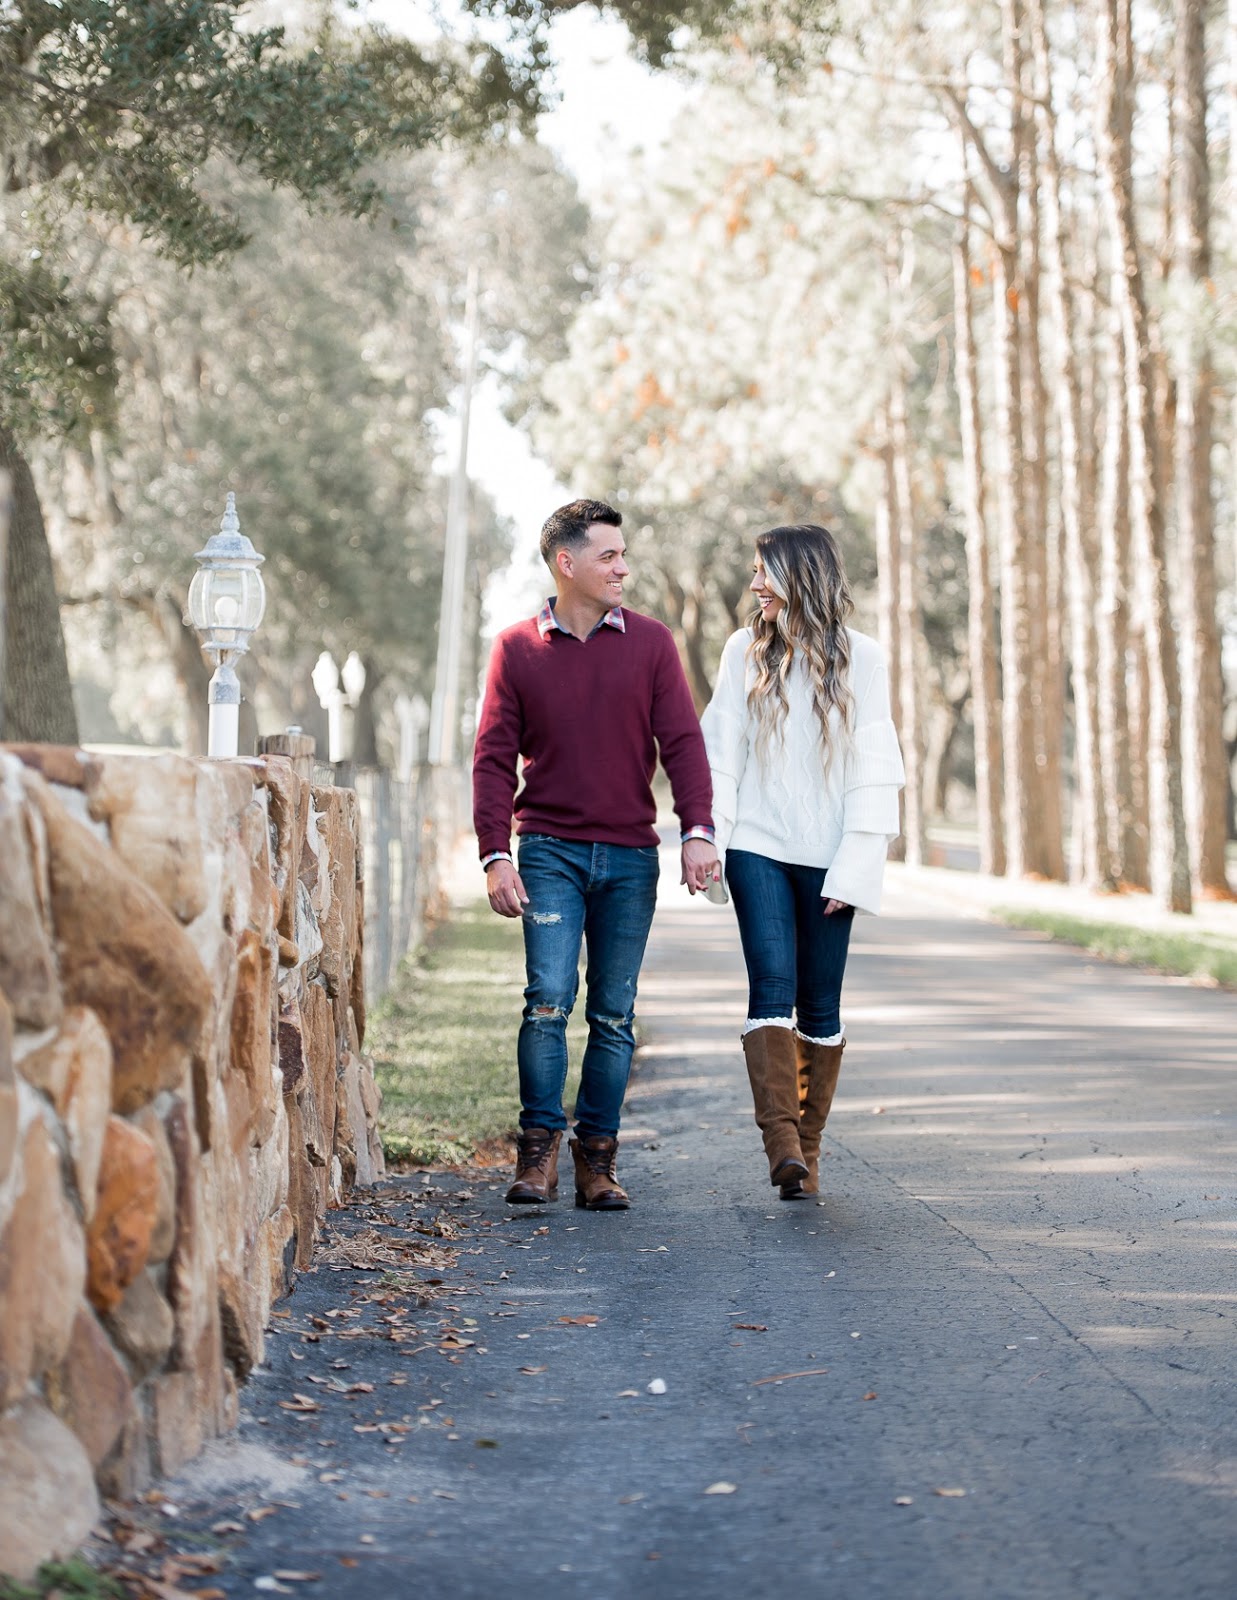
{"type": "Point", "coordinates": [888, 583]}
{"type": "Point", "coordinates": [1043, 536]}
{"type": "Point", "coordinates": [1095, 866]}
{"type": "Point", "coordinates": [980, 632]}
{"type": "Point", "coordinates": [1123, 821]}
{"type": "Point", "coordinates": [1206, 760]}
{"type": "Point", "coordinates": [38, 696]}
{"type": "Point", "coordinates": [910, 728]}
{"type": "Point", "coordinates": [1170, 864]}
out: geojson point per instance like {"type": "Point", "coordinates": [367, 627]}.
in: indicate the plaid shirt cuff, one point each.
{"type": "Point", "coordinates": [497, 855]}
{"type": "Point", "coordinates": [699, 832]}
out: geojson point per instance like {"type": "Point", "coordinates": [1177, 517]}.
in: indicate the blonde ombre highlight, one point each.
{"type": "Point", "coordinates": [803, 568]}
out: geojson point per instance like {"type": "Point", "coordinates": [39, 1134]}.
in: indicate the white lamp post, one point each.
{"type": "Point", "coordinates": [227, 599]}
{"type": "Point", "coordinates": [333, 699]}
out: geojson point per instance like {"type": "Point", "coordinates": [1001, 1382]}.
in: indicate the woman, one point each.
{"type": "Point", "coordinates": [806, 773]}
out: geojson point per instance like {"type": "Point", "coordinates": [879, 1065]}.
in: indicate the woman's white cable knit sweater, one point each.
{"type": "Point", "coordinates": [784, 804]}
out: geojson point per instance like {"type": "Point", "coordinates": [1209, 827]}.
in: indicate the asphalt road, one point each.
{"type": "Point", "coordinates": [996, 1359]}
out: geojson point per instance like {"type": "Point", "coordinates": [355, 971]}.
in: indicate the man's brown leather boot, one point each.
{"type": "Point", "coordinates": [772, 1070]}
{"type": "Point", "coordinates": [597, 1189]}
{"type": "Point", "coordinates": [536, 1167]}
{"type": "Point", "coordinates": [819, 1067]}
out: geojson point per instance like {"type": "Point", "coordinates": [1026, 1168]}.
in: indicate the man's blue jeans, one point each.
{"type": "Point", "coordinates": [602, 895]}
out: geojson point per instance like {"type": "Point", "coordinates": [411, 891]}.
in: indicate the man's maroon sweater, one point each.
{"type": "Point", "coordinates": [589, 717]}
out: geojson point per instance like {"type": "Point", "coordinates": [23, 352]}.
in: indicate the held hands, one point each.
{"type": "Point", "coordinates": [830, 906]}
{"type": "Point", "coordinates": [700, 865]}
{"type": "Point", "coordinates": [505, 889]}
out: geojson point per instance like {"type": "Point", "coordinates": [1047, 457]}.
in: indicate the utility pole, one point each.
{"type": "Point", "coordinates": [444, 712]}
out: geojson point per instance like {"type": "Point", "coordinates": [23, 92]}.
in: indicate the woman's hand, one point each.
{"type": "Point", "coordinates": [830, 906]}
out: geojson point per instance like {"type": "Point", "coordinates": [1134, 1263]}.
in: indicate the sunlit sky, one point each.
{"type": "Point", "coordinates": [608, 106]}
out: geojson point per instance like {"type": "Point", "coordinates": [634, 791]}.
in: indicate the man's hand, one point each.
{"type": "Point", "coordinates": [700, 865]}
{"type": "Point", "coordinates": [505, 889]}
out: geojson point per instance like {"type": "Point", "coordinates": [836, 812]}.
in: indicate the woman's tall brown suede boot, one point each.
{"type": "Point", "coordinates": [819, 1067]}
{"type": "Point", "coordinates": [772, 1071]}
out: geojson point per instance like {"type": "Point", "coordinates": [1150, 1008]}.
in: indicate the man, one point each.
{"type": "Point", "coordinates": [589, 694]}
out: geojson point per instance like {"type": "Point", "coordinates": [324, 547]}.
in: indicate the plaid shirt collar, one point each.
{"type": "Point", "coordinates": [547, 622]}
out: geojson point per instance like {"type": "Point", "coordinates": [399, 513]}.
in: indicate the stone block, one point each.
{"type": "Point", "coordinates": [252, 1032]}
{"type": "Point", "coordinates": [337, 919]}
{"type": "Point", "coordinates": [150, 805]}
{"type": "Point", "coordinates": [58, 763]}
{"type": "Point", "coordinates": [123, 954]}
{"type": "Point", "coordinates": [163, 1234]}
{"type": "Point", "coordinates": [90, 1389]}
{"type": "Point", "coordinates": [42, 1268]}
{"type": "Point", "coordinates": [74, 1070]}
{"type": "Point", "coordinates": [120, 1231]}
{"type": "Point", "coordinates": [242, 1315]}
{"type": "Point", "coordinates": [286, 798]}
{"type": "Point", "coordinates": [192, 1404]}
{"type": "Point", "coordinates": [48, 1500]}
{"type": "Point", "coordinates": [278, 1251]}
{"type": "Point", "coordinates": [191, 1287]}
{"type": "Point", "coordinates": [9, 1112]}
{"type": "Point", "coordinates": [306, 1204]}
{"type": "Point", "coordinates": [366, 1169]}
{"type": "Point", "coordinates": [28, 975]}
{"type": "Point", "coordinates": [130, 1467]}
{"type": "Point", "coordinates": [142, 1326]}
{"type": "Point", "coordinates": [292, 1062]}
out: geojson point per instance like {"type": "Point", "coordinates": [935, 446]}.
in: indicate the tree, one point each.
{"type": "Point", "coordinates": [1170, 864]}
{"type": "Point", "coordinates": [117, 107]}
{"type": "Point", "coordinates": [302, 374]}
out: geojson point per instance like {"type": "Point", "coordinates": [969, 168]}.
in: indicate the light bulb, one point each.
{"type": "Point", "coordinates": [226, 608]}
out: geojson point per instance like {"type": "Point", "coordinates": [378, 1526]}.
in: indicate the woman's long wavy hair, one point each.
{"type": "Point", "coordinates": [803, 567]}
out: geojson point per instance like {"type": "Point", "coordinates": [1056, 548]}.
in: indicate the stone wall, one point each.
{"type": "Point", "coordinates": [182, 1095]}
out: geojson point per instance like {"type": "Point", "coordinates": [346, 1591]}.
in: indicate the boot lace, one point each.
{"type": "Point", "coordinates": [534, 1151]}
{"type": "Point", "coordinates": [599, 1161]}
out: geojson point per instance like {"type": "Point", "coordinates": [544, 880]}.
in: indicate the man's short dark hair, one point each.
{"type": "Point", "coordinates": [567, 528]}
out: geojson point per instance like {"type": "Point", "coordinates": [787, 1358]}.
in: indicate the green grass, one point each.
{"type": "Point", "coordinates": [1183, 955]}
{"type": "Point", "coordinates": [443, 1042]}
{"type": "Point", "coordinates": [68, 1580]}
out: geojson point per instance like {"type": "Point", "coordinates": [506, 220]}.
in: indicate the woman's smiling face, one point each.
{"type": "Point", "coordinates": [770, 604]}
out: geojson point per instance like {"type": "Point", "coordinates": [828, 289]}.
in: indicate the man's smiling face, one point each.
{"type": "Point", "coordinates": [597, 568]}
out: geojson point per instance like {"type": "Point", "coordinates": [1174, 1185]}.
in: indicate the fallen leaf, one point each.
{"type": "Point", "coordinates": [871, 1395]}
{"type": "Point", "coordinates": [587, 1321]}
{"type": "Point", "coordinates": [297, 1577]}
{"type": "Point", "coordinates": [630, 1499]}
{"type": "Point", "coordinates": [299, 1402]}
{"type": "Point", "coordinates": [227, 1527]}
{"type": "Point", "coordinates": [721, 1488]}
{"type": "Point", "coordinates": [531, 1372]}
{"type": "Point", "coordinates": [271, 1584]}
{"type": "Point", "coordinates": [486, 1444]}
{"type": "Point", "coordinates": [628, 1394]}
{"type": "Point", "coordinates": [444, 1494]}
{"type": "Point", "coordinates": [905, 1500]}
{"type": "Point", "coordinates": [658, 1386]}
{"type": "Point", "coordinates": [950, 1494]}
{"type": "Point", "coordinates": [752, 1327]}
{"type": "Point", "coordinates": [259, 1512]}
{"type": "Point", "coordinates": [349, 1561]}
{"type": "Point", "coordinates": [781, 1377]}
{"type": "Point", "coordinates": [359, 1388]}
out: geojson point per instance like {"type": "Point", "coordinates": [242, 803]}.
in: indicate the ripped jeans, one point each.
{"type": "Point", "coordinates": [601, 895]}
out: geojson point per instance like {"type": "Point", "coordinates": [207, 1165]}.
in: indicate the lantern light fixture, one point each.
{"type": "Point", "coordinates": [227, 600]}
